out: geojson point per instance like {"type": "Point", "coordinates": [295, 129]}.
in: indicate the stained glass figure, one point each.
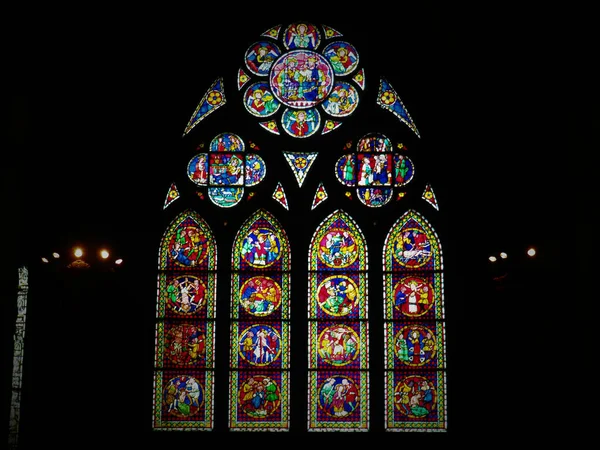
{"type": "Point", "coordinates": [414, 344]}
{"type": "Point", "coordinates": [213, 99]}
{"type": "Point", "coordinates": [172, 195]}
{"type": "Point", "coordinates": [185, 312]}
{"type": "Point", "coordinates": [429, 196]}
{"type": "Point", "coordinates": [320, 196]}
{"type": "Point", "coordinates": [338, 338]}
{"type": "Point", "coordinates": [389, 100]}
{"type": "Point", "coordinates": [183, 400]}
{"type": "Point", "coordinates": [404, 170]}
{"type": "Point", "coordinates": [290, 84]}
{"type": "Point", "coordinates": [302, 123]}
{"type": "Point", "coordinates": [301, 35]}
{"type": "Point", "coordinates": [197, 169]}
{"type": "Point", "coordinates": [414, 327]}
{"type": "Point", "coordinates": [416, 401]}
{"type": "Point", "coordinates": [342, 101]}
{"type": "Point", "coordinates": [259, 100]}
{"type": "Point", "coordinates": [256, 169]}
{"type": "Point", "coordinates": [260, 330]}
{"type": "Point", "coordinates": [300, 163]}
{"type": "Point", "coordinates": [338, 400]}
{"type": "Point", "coordinates": [374, 169]}
{"type": "Point", "coordinates": [226, 169]}
{"type": "Point", "coordinates": [261, 56]}
{"type": "Point", "coordinates": [279, 196]}
{"type": "Point", "coordinates": [342, 56]}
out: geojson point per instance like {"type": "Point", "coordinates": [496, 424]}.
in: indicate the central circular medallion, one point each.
{"type": "Point", "coordinates": [301, 79]}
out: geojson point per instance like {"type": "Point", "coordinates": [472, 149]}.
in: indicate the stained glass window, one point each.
{"type": "Point", "coordinates": [185, 315]}
{"type": "Point", "coordinates": [338, 360]}
{"type": "Point", "coordinates": [415, 376]}
{"type": "Point", "coordinates": [378, 369]}
{"type": "Point", "coordinates": [260, 329]}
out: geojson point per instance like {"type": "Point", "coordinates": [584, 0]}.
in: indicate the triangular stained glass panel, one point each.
{"type": "Point", "coordinates": [330, 125]}
{"type": "Point", "coordinates": [389, 99]}
{"type": "Point", "coordinates": [270, 126]}
{"type": "Point", "coordinates": [172, 195]}
{"type": "Point", "coordinates": [331, 33]}
{"type": "Point", "coordinates": [272, 32]}
{"type": "Point", "coordinates": [300, 163]}
{"type": "Point", "coordinates": [359, 78]}
{"type": "Point", "coordinates": [213, 99]}
{"type": "Point", "coordinates": [242, 78]}
{"type": "Point", "coordinates": [320, 196]}
{"type": "Point", "coordinates": [429, 197]}
{"type": "Point", "coordinates": [279, 195]}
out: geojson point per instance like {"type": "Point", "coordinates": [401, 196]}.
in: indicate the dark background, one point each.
{"type": "Point", "coordinates": [96, 110]}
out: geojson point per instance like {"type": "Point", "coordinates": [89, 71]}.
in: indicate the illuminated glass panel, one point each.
{"type": "Point", "coordinates": [260, 329]}
{"type": "Point", "coordinates": [389, 100]}
{"type": "Point", "coordinates": [338, 359]}
{"type": "Point", "coordinates": [414, 327]}
{"type": "Point", "coordinates": [296, 69]}
{"type": "Point", "coordinates": [185, 338]}
{"type": "Point", "coordinates": [213, 99]}
{"type": "Point", "coordinates": [172, 195]}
